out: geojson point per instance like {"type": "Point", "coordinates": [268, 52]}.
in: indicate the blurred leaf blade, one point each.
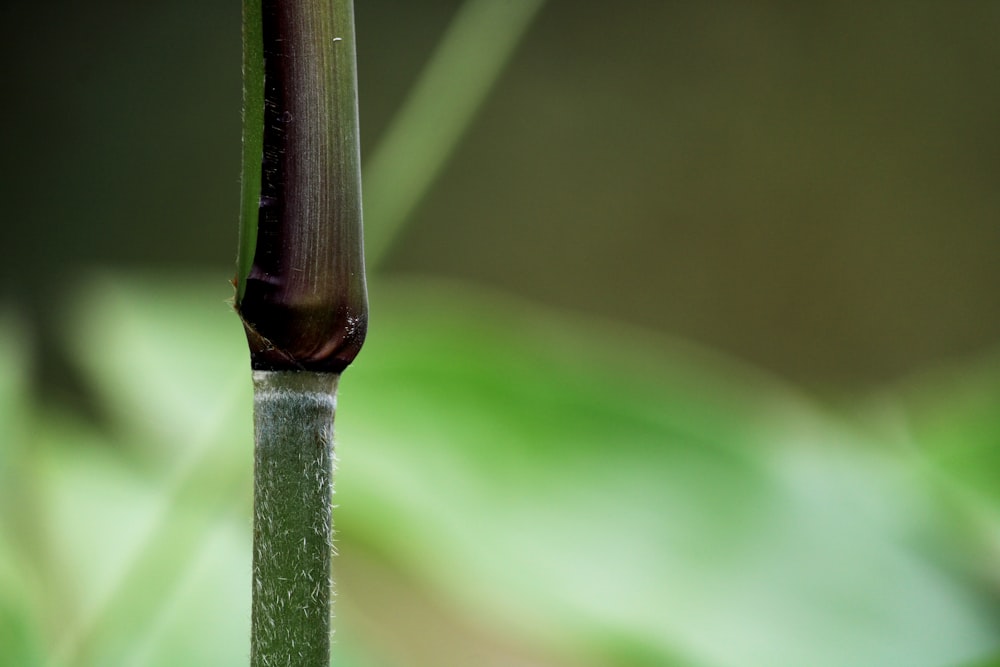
{"type": "Point", "coordinates": [686, 516]}
{"type": "Point", "coordinates": [948, 420]}
{"type": "Point", "coordinates": [443, 102]}
{"type": "Point", "coordinates": [597, 515]}
{"type": "Point", "coordinates": [22, 588]}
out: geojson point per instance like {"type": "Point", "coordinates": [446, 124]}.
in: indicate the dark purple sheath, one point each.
{"type": "Point", "coordinates": [304, 301]}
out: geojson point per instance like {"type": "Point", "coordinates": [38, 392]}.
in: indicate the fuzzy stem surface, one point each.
{"type": "Point", "coordinates": [293, 529]}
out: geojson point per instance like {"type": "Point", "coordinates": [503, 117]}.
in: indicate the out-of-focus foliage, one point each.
{"type": "Point", "coordinates": [516, 487]}
{"type": "Point", "coordinates": [810, 186]}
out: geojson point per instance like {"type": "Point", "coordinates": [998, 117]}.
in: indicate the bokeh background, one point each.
{"type": "Point", "coordinates": [685, 356]}
{"type": "Point", "coordinates": [810, 187]}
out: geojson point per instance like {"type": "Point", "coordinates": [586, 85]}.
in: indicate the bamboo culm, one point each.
{"type": "Point", "coordinates": [300, 292]}
{"type": "Point", "coordinates": [293, 529]}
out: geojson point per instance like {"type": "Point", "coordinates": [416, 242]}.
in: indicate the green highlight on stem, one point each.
{"type": "Point", "coordinates": [253, 139]}
{"type": "Point", "coordinates": [300, 286]}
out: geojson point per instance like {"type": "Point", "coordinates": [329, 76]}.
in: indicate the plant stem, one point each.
{"type": "Point", "coordinates": [300, 291]}
{"type": "Point", "coordinates": [293, 530]}
{"type": "Point", "coordinates": [301, 277]}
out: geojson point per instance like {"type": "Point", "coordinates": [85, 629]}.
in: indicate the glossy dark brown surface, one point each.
{"type": "Point", "coordinates": [304, 303]}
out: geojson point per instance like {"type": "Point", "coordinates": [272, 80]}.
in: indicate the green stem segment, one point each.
{"type": "Point", "coordinates": [293, 473]}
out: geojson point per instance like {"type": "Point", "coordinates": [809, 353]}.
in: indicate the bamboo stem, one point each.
{"type": "Point", "coordinates": [301, 281]}
{"type": "Point", "coordinates": [300, 291]}
{"type": "Point", "coordinates": [293, 529]}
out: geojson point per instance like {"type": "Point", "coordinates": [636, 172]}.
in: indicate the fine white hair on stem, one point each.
{"type": "Point", "coordinates": [293, 528]}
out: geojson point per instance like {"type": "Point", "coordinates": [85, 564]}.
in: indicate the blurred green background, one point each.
{"type": "Point", "coordinates": [687, 356]}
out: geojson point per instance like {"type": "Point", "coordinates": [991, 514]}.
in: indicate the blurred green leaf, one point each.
{"type": "Point", "coordinates": [21, 631]}
{"type": "Point", "coordinates": [149, 351]}
{"type": "Point", "coordinates": [20, 634]}
{"type": "Point", "coordinates": [991, 662]}
{"type": "Point", "coordinates": [676, 506]}
{"type": "Point", "coordinates": [14, 414]}
{"type": "Point", "coordinates": [948, 420]}
{"type": "Point", "coordinates": [953, 415]}
{"type": "Point", "coordinates": [464, 67]}
{"type": "Point", "coordinates": [551, 487]}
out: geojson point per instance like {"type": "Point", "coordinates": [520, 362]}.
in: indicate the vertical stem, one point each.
{"type": "Point", "coordinates": [301, 281]}
{"type": "Point", "coordinates": [302, 298]}
{"type": "Point", "coordinates": [293, 530]}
